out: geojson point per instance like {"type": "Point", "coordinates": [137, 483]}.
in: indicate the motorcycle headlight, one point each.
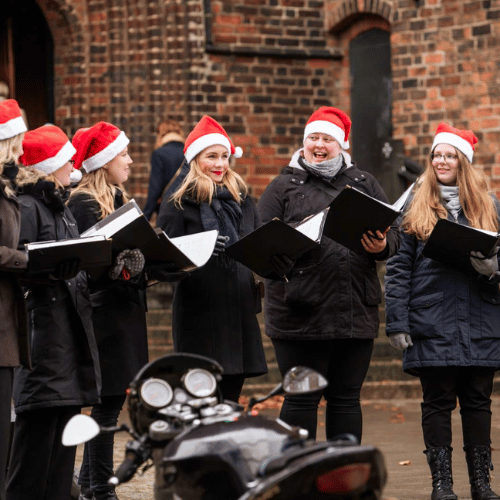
{"type": "Point", "coordinates": [156, 393]}
{"type": "Point", "coordinates": [199, 383]}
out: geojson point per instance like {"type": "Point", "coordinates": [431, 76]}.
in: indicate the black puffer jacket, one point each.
{"type": "Point", "coordinates": [65, 366]}
{"type": "Point", "coordinates": [119, 311]}
{"type": "Point", "coordinates": [332, 292]}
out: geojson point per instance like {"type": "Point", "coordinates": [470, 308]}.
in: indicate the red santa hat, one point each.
{"type": "Point", "coordinates": [78, 137]}
{"type": "Point", "coordinates": [330, 121]}
{"type": "Point", "coordinates": [98, 145]}
{"type": "Point", "coordinates": [46, 148]}
{"type": "Point", "coordinates": [208, 132]}
{"type": "Point", "coordinates": [11, 120]}
{"type": "Point", "coordinates": [463, 140]}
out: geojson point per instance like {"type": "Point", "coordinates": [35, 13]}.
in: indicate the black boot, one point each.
{"type": "Point", "coordinates": [479, 464]}
{"type": "Point", "coordinates": [439, 460]}
{"type": "Point", "coordinates": [105, 495]}
{"type": "Point", "coordinates": [85, 493]}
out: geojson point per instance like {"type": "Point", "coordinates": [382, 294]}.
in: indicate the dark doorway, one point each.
{"type": "Point", "coordinates": [371, 105]}
{"type": "Point", "coordinates": [27, 59]}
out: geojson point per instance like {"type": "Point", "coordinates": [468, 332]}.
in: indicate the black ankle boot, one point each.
{"type": "Point", "coordinates": [479, 465]}
{"type": "Point", "coordinates": [105, 495]}
{"type": "Point", "coordinates": [439, 460]}
{"type": "Point", "coordinates": [85, 493]}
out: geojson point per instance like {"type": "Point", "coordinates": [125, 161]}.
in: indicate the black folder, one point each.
{"type": "Point", "coordinates": [451, 243]}
{"type": "Point", "coordinates": [93, 252]}
{"type": "Point", "coordinates": [127, 226]}
{"type": "Point", "coordinates": [275, 237]}
{"type": "Point", "coordinates": [353, 213]}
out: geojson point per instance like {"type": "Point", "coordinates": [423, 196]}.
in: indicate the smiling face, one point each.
{"type": "Point", "coordinates": [320, 147]}
{"type": "Point", "coordinates": [62, 174]}
{"type": "Point", "coordinates": [445, 164]}
{"type": "Point", "coordinates": [118, 168]}
{"type": "Point", "coordinates": [214, 162]}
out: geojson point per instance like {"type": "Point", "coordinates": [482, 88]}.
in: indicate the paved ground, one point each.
{"type": "Point", "coordinates": [392, 426]}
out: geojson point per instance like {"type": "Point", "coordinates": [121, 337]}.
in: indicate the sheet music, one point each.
{"type": "Point", "coordinates": [197, 247]}
{"type": "Point", "coordinates": [313, 226]}
{"type": "Point", "coordinates": [62, 243]}
{"type": "Point", "coordinates": [108, 230]}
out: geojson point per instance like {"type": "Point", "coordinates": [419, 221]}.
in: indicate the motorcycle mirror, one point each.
{"type": "Point", "coordinates": [79, 429]}
{"type": "Point", "coordinates": [303, 380]}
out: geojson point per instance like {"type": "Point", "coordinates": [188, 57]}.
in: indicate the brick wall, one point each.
{"type": "Point", "coordinates": [262, 66]}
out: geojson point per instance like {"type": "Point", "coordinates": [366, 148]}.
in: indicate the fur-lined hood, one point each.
{"type": "Point", "coordinates": [34, 183]}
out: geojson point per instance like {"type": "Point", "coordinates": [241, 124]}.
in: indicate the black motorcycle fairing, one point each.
{"type": "Point", "coordinates": [242, 444]}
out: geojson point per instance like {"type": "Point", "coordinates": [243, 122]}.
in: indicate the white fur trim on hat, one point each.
{"type": "Point", "coordinates": [205, 141]}
{"type": "Point", "coordinates": [328, 128]}
{"type": "Point", "coordinates": [12, 128]}
{"type": "Point", "coordinates": [456, 141]}
{"type": "Point", "coordinates": [50, 165]}
{"type": "Point", "coordinates": [107, 154]}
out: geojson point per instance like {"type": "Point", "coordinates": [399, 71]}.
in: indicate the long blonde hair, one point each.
{"type": "Point", "coordinates": [201, 188]}
{"type": "Point", "coordinates": [96, 185]}
{"type": "Point", "coordinates": [426, 207]}
{"type": "Point", "coordinates": [10, 151]}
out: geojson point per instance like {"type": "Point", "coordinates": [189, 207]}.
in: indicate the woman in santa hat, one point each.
{"type": "Point", "coordinates": [325, 313]}
{"type": "Point", "coordinates": [119, 315]}
{"type": "Point", "coordinates": [215, 307]}
{"type": "Point", "coordinates": [447, 320]}
{"type": "Point", "coordinates": [14, 347]}
{"type": "Point", "coordinates": [64, 374]}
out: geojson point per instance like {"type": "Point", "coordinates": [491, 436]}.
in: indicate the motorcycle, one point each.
{"type": "Point", "coordinates": [207, 448]}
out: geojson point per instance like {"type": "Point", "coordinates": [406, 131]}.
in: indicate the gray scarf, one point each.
{"type": "Point", "coordinates": [450, 196]}
{"type": "Point", "coordinates": [326, 170]}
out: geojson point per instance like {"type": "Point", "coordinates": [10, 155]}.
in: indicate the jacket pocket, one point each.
{"type": "Point", "coordinates": [373, 292]}
{"type": "Point", "coordinates": [490, 312]}
{"type": "Point", "coordinates": [426, 316]}
{"type": "Point", "coordinates": [304, 286]}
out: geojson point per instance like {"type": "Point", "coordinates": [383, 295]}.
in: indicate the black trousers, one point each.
{"type": "Point", "coordinates": [6, 380]}
{"type": "Point", "coordinates": [97, 465]}
{"type": "Point", "coordinates": [344, 363]}
{"type": "Point", "coordinates": [231, 386]}
{"type": "Point", "coordinates": [40, 467]}
{"type": "Point", "coordinates": [441, 387]}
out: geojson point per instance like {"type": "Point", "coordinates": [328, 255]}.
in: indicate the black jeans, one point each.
{"type": "Point", "coordinates": [6, 379]}
{"type": "Point", "coordinates": [40, 467]}
{"type": "Point", "coordinates": [344, 363]}
{"type": "Point", "coordinates": [441, 387]}
{"type": "Point", "coordinates": [97, 465]}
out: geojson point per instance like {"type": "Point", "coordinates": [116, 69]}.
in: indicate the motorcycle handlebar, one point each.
{"type": "Point", "coordinates": [126, 470]}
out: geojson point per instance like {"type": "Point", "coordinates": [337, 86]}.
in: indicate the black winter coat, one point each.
{"type": "Point", "coordinates": [453, 317]}
{"type": "Point", "coordinates": [119, 312]}
{"type": "Point", "coordinates": [331, 292]}
{"type": "Point", "coordinates": [65, 365]}
{"type": "Point", "coordinates": [214, 308]}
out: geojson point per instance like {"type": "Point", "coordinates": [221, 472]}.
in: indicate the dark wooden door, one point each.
{"type": "Point", "coordinates": [27, 59]}
{"type": "Point", "coordinates": [371, 106]}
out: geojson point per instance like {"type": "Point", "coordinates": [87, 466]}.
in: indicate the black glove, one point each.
{"type": "Point", "coordinates": [128, 264]}
{"type": "Point", "coordinates": [220, 244]}
{"type": "Point", "coordinates": [162, 272]}
{"type": "Point", "coordinates": [282, 264]}
{"type": "Point", "coordinates": [66, 270]}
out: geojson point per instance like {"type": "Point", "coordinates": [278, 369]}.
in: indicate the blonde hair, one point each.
{"type": "Point", "coordinates": [169, 128]}
{"type": "Point", "coordinates": [10, 151]}
{"type": "Point", "coordinates": [96, 185]}
{"type": "Point", "coordinates": [201, 188]}
{"type": "Point", "coordinates": [426, 207]}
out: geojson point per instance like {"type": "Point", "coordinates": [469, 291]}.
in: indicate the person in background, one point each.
{"type": "Point", "coordinates": [119, 305]}
{"type": "Point", "coordinates": [166, 159]}
{"type": "Point", "coordinates": [64, 374]}
{"type": "Point", "coordinates": [447, 320]}
{"type": "Point", "coordinates": [215, 307]}
{"type": "Point", "coordinates": [14, 343]}
{"type": "Point", "coordinates": [324, 312]}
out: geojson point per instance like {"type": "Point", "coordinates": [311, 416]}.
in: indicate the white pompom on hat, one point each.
{"type": "Point", "coordinates": [11, 119]}
{"type": "Point", "coordinates": [46, 149]}
{"type": "Point", "coordinates": [98, 145]}
{"type": "Point", "coordinates": [330, 121]}
{"type": "Point", "coordinates": [208, 132]}
{"type": "Point", "coordinates": [463, 140]}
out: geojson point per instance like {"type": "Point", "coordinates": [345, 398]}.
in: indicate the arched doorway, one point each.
{"type": "Point", "coordinates": [371, 104]}
{"type": "Point", "coordinates": [27, 59]}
